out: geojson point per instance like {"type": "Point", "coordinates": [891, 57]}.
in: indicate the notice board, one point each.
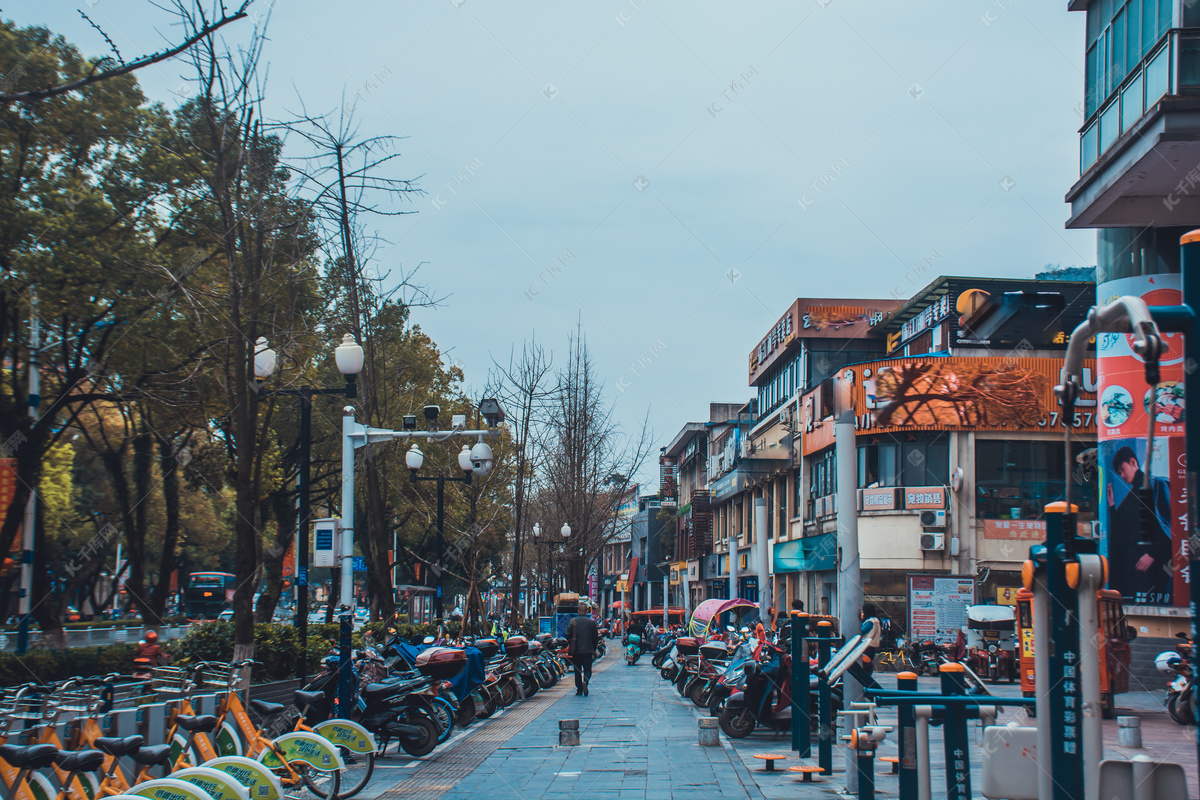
{"type": "Point", "coordinates": [937, 606]}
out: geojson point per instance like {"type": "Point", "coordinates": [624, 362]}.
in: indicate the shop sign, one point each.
{"type": "Point", "coordinates": [878, 499]}
{"type": "Point", "coordinates": [924, 497]}
{"type": "Point", "coordinates": [929, 316]}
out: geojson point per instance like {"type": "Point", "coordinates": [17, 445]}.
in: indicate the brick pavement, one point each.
{"type": "Point", "coordinates": [639, 740]}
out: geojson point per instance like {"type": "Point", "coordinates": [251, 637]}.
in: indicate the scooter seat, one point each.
{"type": "Point", "coordinates": [80, 760]}
{"type": "Point", "coordinates": [204, 723]}
{"type": "Point", "coordinates": [267, 708]}
{"type": "Point", "coordinates": [310, 699]}
{"type": "Point", "coordinates": [152, 756]}
{"type": "Point", "coordinates": [119, 746]}
{"type": "Point", "coordinates": [34, 756]}
{"type": "Point", "coordinates": [374, 692]}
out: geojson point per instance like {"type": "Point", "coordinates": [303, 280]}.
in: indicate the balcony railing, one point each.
{"type": "Point", "coordinates": [1171, 67]}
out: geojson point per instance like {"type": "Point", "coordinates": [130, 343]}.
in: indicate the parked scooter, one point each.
{"type": "Point", "coordinates": [1181, 694]}
{"type": "Point", "coordinates": [633, 648]}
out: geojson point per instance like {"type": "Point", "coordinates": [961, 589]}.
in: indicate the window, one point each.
{"type": "Point", "coordinates": [1120, 35]}
{"type": "Point", "coordinates": [897, 461]}
{"type": "Point", "coordinates": [822, 479]}
{"type": "Point", "coordinates": [1016, 479]}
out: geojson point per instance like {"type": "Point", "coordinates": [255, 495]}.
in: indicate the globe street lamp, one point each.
{"type": "Point", "coordinates": [472, 461]}
{"type": "Point", "coordinates": [356, 435]}
{"type": "Point", "coordinates": [349, 359]}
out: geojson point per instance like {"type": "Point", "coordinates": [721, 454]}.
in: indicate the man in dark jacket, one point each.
{"type": "Point", "coordinates": [582, 637]}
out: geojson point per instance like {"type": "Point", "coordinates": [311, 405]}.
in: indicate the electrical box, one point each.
{"type": "Point", "coordinates": [327, 536]}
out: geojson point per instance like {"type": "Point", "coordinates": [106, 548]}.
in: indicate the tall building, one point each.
{"type": "Point", "coordinates": [953, 478]}
{"type": "Point", "coordinates": [1139, 188]}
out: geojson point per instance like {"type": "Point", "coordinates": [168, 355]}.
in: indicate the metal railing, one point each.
{"type": "Point", "coordinates": [91, 637]}
{"type": "Point", "coordinates": [1172, 67]}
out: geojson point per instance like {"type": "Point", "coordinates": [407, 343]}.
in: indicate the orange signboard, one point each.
{"type": "Point", "coordinates": [925, 497]}
{"type": "Point", "coordinates": [960, 393]}
{"type": "Point", "coordinates": [828, 318]}
{"type": "Point", "coordinates": [1026, 530]}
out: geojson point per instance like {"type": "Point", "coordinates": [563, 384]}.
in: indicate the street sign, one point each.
{"type": "Point", "coordinates": [360, 564]}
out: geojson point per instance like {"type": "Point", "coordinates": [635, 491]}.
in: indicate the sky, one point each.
{"type": "Point", "coordinates": [669, 176]}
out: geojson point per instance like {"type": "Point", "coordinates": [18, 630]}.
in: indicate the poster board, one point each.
{"type": "Point", "coordinates": [937, 606]}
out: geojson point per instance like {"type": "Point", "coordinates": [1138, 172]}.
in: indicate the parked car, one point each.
{"type": "Point", "coordinates": [225, 616]}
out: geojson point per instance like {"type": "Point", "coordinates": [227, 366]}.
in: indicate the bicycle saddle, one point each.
{"type": "Point", "coordinates": [80, 760]}
{"type": "Point", "coordinates": [204, 723]}
{"type": "Point", "coordinates": [304, 698]}
{"type": "Point", "coordinates": [119, 746]}
{"type": "Point", "coordinates": [34, 756]}
{"type": "Point", "coordinates": [267, 708]}
{"type": "Point", "coordinates": [152, 756]}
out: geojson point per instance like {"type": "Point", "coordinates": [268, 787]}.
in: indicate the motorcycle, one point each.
{"type": "Point", "coordinates": [663, 652]}
{"type": "Point", "coordinates": [633, 648]}
{"type": "Point", "coordinates": [765, 698]}
{"type": "Point", "coordinates": [1181, 696]}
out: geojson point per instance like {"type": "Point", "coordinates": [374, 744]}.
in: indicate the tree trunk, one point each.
{"type": "Point", "coordinates": [167, 564]}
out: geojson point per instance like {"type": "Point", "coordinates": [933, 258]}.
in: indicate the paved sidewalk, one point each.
{"type": "Point", "coordinates": [638, 739]}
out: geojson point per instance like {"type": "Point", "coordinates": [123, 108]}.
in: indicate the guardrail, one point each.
{"type": "Point", "coordinates": [91, 637]}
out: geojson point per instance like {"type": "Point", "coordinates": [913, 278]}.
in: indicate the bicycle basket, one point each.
{"type": "Point", "coordinates": [169, 680]}
{"type": "Point", "coordinates": [26, 707]}
{"type": "Point", "coordinates": [77, 699]}
{"type": "Point", "coordinates": [217, 677]}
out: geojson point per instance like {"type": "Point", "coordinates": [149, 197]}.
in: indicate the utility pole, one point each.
{"type": "Point", "coordinates": [35, 400]}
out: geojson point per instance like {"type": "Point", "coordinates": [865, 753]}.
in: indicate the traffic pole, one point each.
{"type": "Point", "coordinates": [1066, 706]}
{"type": "Point", "coordinates": [907, 722]}
{"type": "Point", "coordinates": [1190, 267]}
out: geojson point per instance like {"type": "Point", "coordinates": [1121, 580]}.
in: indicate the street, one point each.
{"type": "Point", "coordinates": [638, 739]}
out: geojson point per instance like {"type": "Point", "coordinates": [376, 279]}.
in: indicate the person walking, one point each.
{"type": "Point", "coordinates": [582, 637]}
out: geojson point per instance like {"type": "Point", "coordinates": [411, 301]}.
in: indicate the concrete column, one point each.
{"type": "Point", "coordinates": [733, 563]}
{"type": "Point", "coordinates": [765, 589]}
{"type": "Point", "coordinates": [849, 579]}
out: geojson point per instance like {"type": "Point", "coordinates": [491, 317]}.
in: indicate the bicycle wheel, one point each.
{"type": "Point", "coordinates": [321, 785]}
{"type": "Point", "coordinates": [357, 773]}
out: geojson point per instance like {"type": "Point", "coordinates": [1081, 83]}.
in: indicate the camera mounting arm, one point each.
{"type": "Point", "coordinates": [1124, 315]}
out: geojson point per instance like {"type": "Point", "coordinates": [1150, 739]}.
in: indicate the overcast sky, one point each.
{"type": "Point", "coordinates": [674, 174]}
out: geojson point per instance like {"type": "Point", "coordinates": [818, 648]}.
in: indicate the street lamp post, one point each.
{"type": "Point", "coordinates": [356, 435]}
{"type": "Point", "coordinates": [414, 459]}
{"type": "Point", "coordinates": [544, 580]}
{"type": "Point", "coordinates": [349, 358]}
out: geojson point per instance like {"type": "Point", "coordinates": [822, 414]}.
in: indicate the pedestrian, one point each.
{"type": "Point", "coordinates": [582, 638]}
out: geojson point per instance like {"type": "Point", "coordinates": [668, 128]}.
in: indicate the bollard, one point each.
{"type": "Point", "coordinates": [824, 699]}
{"type": "Point", "coordinates": [708, 732]}
{"type": "Point", "coordinates": [801, 711]}
{"type": "Point", "coordinates": [1129, 731]}
{"type": "Point", "coordinates": [907, 681]}
{"type": "Point", "coordinates": [956, 740]}
{"type": "Point", "coordinates": [568, 732]}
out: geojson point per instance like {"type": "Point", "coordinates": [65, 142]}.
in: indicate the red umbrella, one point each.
{"type": "Point", "coordinates": [620, 604]}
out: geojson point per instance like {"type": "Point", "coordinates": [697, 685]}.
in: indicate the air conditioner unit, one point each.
{"type": "Point", "coordinates": [933, 541]}
{"type": "Point", "coordinates": [747, 449]}
{"type": "Point", "coordinates": [933, 519]}
{"type": "Point", "coordinates": [785, 415]}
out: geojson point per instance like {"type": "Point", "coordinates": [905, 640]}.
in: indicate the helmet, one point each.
{"type": "Point", "coordinates": [1165, 661]}
{"type": "Point", "coordinates": [151, 636]}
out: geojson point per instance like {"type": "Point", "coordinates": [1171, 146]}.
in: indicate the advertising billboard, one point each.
{"type": "Point", "coordinates": [937, 606]}
{"type": "Point", "coordinates": [1148, 567]}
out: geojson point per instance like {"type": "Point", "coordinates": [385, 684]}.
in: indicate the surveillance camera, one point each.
{"type": "Point", "coordinates": [481, 458]}
{"type": "Point", "coordinates": [491, 411]}
{"type": "Point", "coordinates": [431, 413]}
{"type": "Point", "coordinates": [410, 422]}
